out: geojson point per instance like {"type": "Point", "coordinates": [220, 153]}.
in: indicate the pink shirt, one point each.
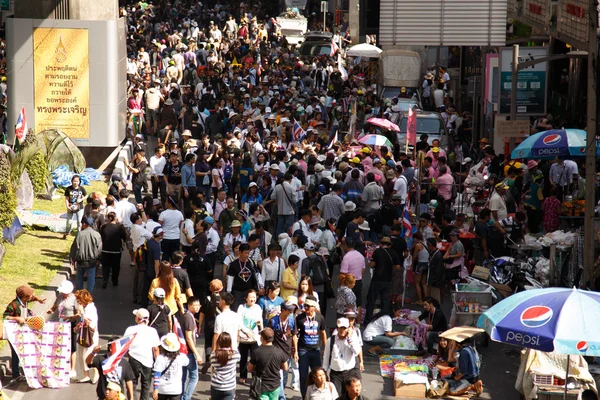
{"type": "Point", "coordinates": [353, 263]}
{"type": "Point", "coordinates": [444, 184]}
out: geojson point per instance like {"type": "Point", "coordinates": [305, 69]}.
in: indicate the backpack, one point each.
{"type": "Point", "coordinates": [317, 270]}
{"type": "Point", "coordinates": [227, 172]}
{"type": "Point", "coordinates": [376, 221]}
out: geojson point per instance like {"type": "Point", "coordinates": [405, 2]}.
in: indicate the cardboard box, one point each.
{"type": "Point", "coordinates": [481, 273]}
{"type": "Point", "coordinates": [505, 290]}
{"type": "Point", "coordinates": [413, 391]}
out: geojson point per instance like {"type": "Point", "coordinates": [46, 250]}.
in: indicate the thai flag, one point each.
{"type": "Point", "coordinates": [118, 349]}
{"type": "Point", "coordinates": [298, 132]}
{"type": "Point", "coordinates": [21, 127]}
{"type": "Point", "coordinates": [406, 224]}
{"type": "Point", "coordinates": [334, 48]}
{"type": "Point", "coordinates": [260, 68]}
{"type": "Point", "coordinates": [334, 140]}
{"type": "Point", "coordinates": [179, 332]}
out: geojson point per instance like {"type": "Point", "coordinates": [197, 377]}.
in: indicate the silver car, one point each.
{"type": "Point", "coordinates": [430, 123]}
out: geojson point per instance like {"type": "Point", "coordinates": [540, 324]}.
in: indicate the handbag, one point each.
{"type": "Point", "coordinates": [85, 336]}
{"type": "Point", "coordinates": [255, 388]}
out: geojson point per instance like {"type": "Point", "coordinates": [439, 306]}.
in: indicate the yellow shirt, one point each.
{"type": "Point", "coordinates": [170, 298]}
{"type": "Point", "coordinates": [290, 277]}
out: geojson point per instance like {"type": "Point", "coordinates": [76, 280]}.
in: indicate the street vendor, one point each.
{"type": "Point", "coordinates": [379, 333]}
{"type": "Point", "coordinates": [467, 376]}
{"type": "Point", "coordinates": [434, 318]}
{"type": "Point", "coordinates": [445, 353]}
{"type": "Point", "coordinates": [17, 310]}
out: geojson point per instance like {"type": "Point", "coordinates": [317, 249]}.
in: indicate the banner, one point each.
{"type": "Point", "coordinates": [61, 81]}
{"type": "Point", "coordinates": [45, 355]}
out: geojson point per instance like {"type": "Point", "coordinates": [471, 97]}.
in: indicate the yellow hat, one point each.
{"type": "Point", "coordinates": [366, 150]}
{"type": "Point", "coordinates": [355, 160]}
{"type": "Point", "coordinates": [435, 149]}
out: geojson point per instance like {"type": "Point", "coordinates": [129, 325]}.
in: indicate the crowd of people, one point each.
{"type": "Point", "coordinates": [256, 194]}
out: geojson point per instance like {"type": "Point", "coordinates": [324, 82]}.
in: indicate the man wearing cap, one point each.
{"type": "Point", "coordinates": [159, 313]}
{"type": "Point", "coordinates": [311, 334]}
{"type": "Point", "coordinates": [498, 202]}
{"type": "Point", "coordinates": [172, 175]}
{"type": "Point", "coordinates": [157, 167]}
{"type": "Point", "coordinates": [17, 311]}
{"type": "Point", "coordinates": [114, 392]}
{"type": "Point", "coordinates": [340, 355]}
{"type": "Point", "coordinates": [286, 198]}
{"type": "Point", "coordinates": [483, 143]}
{"type": "Point", "coordinates": [286, 338]}
{"type": "Point", "coordinates": [86, 251]}
{"type": "Point", "coordinates": [143, 350]}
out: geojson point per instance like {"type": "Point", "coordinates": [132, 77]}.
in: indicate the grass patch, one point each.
{"type": "Point", "coordinates": [37, 255]}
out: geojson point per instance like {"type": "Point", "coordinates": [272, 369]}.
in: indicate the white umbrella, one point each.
{"type": "Point", "coordinates": [364, 50]}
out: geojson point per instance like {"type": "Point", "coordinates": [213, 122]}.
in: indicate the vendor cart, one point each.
{"type": "Point", "coordinates": [469, 301]}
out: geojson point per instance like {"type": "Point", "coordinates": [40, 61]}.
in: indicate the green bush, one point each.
{"type": "Point", "coordinates": [8, 200]}
{"type": "Point", "coordinates": [38, 173]}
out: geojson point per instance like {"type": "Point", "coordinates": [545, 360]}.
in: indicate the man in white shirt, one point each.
{"type": "Point", "coordinates": [401, 185]}
{"type": "Point", "coordinates": [314, 233]}
{"type": "Point", "coordinates": [143, 350]}
{"type": "Point", "coordinates": [227, 321]}
{"type": "Point", "coordinates": [157, 166]}
{"type": "Point", "coordinates": [302, 223]}
{"type": "Point", "coordinates": [498, 203]}
{"type": "Point", "coordinates": [340, 355]}
{"type": "Point", "coordinates": [213, 242]}
{"type": "Point", "coordinates": [124, 209]}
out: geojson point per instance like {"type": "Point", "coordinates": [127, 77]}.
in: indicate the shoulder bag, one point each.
{"type": "Point", "coordinates": [255, 387]}
{"type": "Point", "coordinates": [287, 196]}
{"type": "Point", "coordinates": [85, 336]}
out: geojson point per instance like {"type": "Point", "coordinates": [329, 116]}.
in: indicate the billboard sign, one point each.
{"type": "Point", "coordinates": [61, 80]}
{"type": "Point", "coordinates": [531, 83]}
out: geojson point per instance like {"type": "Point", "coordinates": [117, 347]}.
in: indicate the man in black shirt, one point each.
{"type": "Point", "coordinates": [401, 248]}
{"type": "Point", "coordinates": [159, 313]}
{"type": "Point", "coordinates": [311, 334]}
{"type": "Point", "coordinates": [122, 375]}
{"type": "Point", "coordinates": [138, 170]}
{"type": "Point", "coordinates": [446, 227]}
{"type": "Point", "coordinates": [384, 261]}
{"type": "Point", "coordinates": [242, 276]}
{"type": "Point", "coordinates": [190, 331]}
{"type": "Point", "coordinates": [172, 175]}
{"type": "Point", "coordinates": [286, 334]}
{"type": "Point", "coordinates": [482, 233]}
{"type": "Point", "coordinates": [434, 318]}
{"type": "Point", "coordinates": [266, 361]}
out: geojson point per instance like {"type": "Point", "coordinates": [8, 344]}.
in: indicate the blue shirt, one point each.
{"type": "Point", "coordinates": [153, 255]}
{"type": "Point", "coordinates": [271, 308]}
{"type": "Point", "coordinates": [246, 176]}
{"type": "Point", "coordinates": [467, 363]}
{"type": "Point", "coordinates": [250, 200]}
{"type": "Point", "coordinates": [188, 176]}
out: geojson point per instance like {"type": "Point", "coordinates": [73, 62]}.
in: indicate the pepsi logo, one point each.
{"type": "Point", "coordinates": [536, 316]}
{"type": "Point", "coordinates": [582, 347]}
{"type": "Point", "coordinates": [552, 139]}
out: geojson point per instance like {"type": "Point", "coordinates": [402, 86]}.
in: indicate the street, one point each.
{"type": "Point", "coordinates": [499, 362]}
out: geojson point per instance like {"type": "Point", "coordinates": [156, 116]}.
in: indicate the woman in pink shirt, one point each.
{"type": "Point", "coordinates": [445, 183]}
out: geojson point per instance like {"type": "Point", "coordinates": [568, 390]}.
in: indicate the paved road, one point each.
{"type": "Point", "coordinates": [115, 311]}
{"type": "Point", "coordinates": [500, 363]}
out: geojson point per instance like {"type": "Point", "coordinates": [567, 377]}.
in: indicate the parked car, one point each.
{"type": "Point", "coordinates": [401, 109]}
{"type": "Point", "coordinates": [316, 44]}
{"type": "Point", "coordinates": [428, 122]}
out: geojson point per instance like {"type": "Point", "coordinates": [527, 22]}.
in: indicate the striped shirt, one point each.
{"type": "Point", "coordinates": [223, 377]}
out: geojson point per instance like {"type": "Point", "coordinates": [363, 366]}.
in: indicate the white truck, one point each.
{"type": "Point", "coordinates": [293, 26]}
{"type": "Point", "coordinates": [399, 69]}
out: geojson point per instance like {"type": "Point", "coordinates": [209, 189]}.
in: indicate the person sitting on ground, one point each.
{"type": "Point", "coordinates": [435, 319]}
{"type": "Point", "coordinates": [467, 376]}
{"type": "Point", "coordinates": [379, 335]}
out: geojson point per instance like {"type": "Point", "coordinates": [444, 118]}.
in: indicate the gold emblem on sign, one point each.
{"type": "Point", "coordinates": [61, 52]}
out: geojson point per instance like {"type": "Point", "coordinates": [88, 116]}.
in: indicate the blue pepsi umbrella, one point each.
{"type": "Point", "coordinates": [565, 321]}
{"type": "Point", "coordinates": [553, 143]}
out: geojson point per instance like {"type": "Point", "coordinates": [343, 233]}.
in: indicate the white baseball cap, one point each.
{"type": "Point", "coordinates": [66, 287]}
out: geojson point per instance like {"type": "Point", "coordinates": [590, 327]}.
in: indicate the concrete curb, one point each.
{"type": "Point", "coordinates": [125, 154]}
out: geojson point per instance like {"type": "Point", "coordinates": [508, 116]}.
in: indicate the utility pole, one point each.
{"type": "Point", "coordinates": [324, 6]}
{"type": "Point", "coordinates": [513, 91]}
{"type": "Point", "coordinates": [590, 151]}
